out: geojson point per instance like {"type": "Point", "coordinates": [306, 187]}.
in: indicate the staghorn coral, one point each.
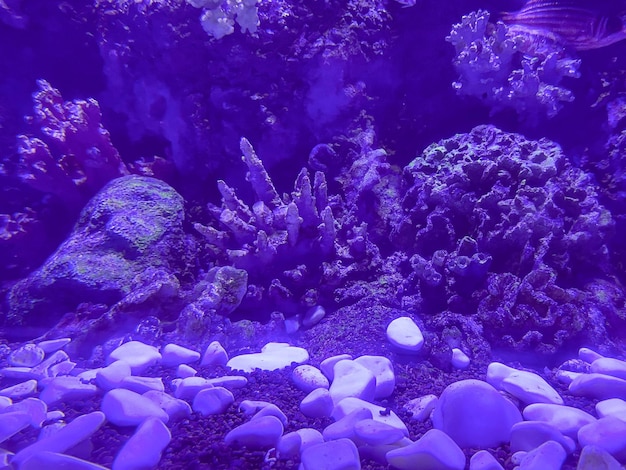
{"type": "Point", "coordinates": [296, 249]}
{"type": "Point", "coordinates": [509, 68]}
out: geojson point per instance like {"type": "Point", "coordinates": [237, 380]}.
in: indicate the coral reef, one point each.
{"type": "Point", "coordinates": [508, 67]}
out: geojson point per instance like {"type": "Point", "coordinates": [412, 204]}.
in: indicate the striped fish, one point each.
{"type": "Point", "coordinates": [581, 24]}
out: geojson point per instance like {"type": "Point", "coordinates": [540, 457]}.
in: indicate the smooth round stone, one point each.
{"type": "Point", "coordinates": [566, 376]}
{"type": "Point", "coordinates": [13, 422]}
{"type": "Point", "coordinates": [183, 371]}
{"type": "Point", "coordinates": [20, 390]}
{"type": "Point", "coordinates": [125, 408]}
{"type": "Point", "coordinates": [375, 433]}
{"type": "Point", "coordinates": [173, 355]}
{"type": "Point", "coordinates": [313, 316]}
{"type": "Point", "coordinates": [273, 356]}
{"type": "Point", "coordinates": [422, 407]}
{"type": "Point", "coordinates": [5, 402]}
{"type": "Point", "coordinates": [528, 435]}
{"type": "Point", "coordinates": [405, 334]}
{"type": "Point", "coordinates": [483, 460]}
{"type": "Point", "coordinates": [612, 407]}
{"type": "Point", "coordinates": [599, 386]}
{"type": "Point", "coordinates": [435, 449]}
{"type": "Point", "coordinates": [567, 419]}
{"type": "Point", "coordinates": [65, 438]}
{"type": "Point", "coordinates": [382, 369]}
{"type": "Point", "coordinates": [596, 458]}
{"type": "Point", "coordinates": [607, 433]}
{"type": "Point", "coordinates": [344, 427]}
{"type": "Point", "coordinates": [548, 456]}
{"type": "Point", "coordinates": [523, 385]}
{"type": "Point", "coordinates": [54, 460]}
{"type": "Point", "coordinates": [61, 368]}
{"type": "Point", "coordinates": [328, 365]}
{"type": "Point", "coordinates": [272, 410]}
{"type": "Point", "coordinates": [213, 401]}
{"type": "Point", "coordinates": [27, 355]}
{"type": "Point", "coordinates": [174, 407]}
{"type": "Point", "coordinates": [341, 454]}
{"type": "Point", "coordinates": [186, 389]}
{"type": "Point", "coordinates": [252, 407]}
{"type": "Point", "coordinates": [259, 433]}
{"type": "Point", "coordinates": [609, 366]}
{"type": "Point", "coordinates": [459, 360]}
{"type": "Point", "coordinates": [35, 408]}
{"type": "Point", "coordinates": [588, 355]}
{"type": "Point", "coordinates": [111, 376]}
{"type": "Point", "coordinates": [144, 448]}
{"type": "Point", "coordinates": [54, 416]}
{"type": "Point", "coordinates": [317, 404]}
{"type": "Point", "coordinates": [231, 382]}
{"type": "Point", "coordinates": [67, 389]}
{"type": "Point", "coordinates": [379, 413]}
{"type": "Point", "coordinates": [352, 380]}
{"type": "Point", "coordinates": [53, 345]}
{"type": "Point", "coordinates": [214, 355]}
{"type": "Point", "coordinates": [143, 384]}
{"type": "Point", "coordinates": [138, 355]}
{"type": "Point", "coordinates": [307, 378]}
{"type": "Point", "coordinates": [292, 444]}
{"type": "Point", "coordinates": [474, 414]}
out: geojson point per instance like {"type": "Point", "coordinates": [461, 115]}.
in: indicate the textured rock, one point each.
{"type": "Point", "coordinates": [308, 378]}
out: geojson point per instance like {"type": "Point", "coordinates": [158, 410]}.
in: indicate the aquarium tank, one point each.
{"type": "Point", "coordinates": [313, 234]}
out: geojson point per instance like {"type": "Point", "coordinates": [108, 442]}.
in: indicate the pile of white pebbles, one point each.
{"type": "Point", "coordinates": [514, 407]}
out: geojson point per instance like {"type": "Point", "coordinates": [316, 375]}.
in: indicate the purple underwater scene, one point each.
{"type": "Point", "coordinates": [313, 234]}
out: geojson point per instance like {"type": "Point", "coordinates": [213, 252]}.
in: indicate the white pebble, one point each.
{"type": "Point", "coordinates": [379, 413]}
{"type": "Point", "coordinates": [186, 389]}
{"type": "Point", "coordinates": [405, 334]}
{"type": "Point", "coordinates": [422, 407]}
{"type": "Point", "coordinates": [313, 316]}
{"type": "Point", "coordinates": [273, 356]}
{"type": "Point", "coordinates": [607, 433]}
{"type": "Point", "coordinates": [174, 407]}
{"type": "Point", "coordinates": [528, 435]}
{"type": "Point", "coordinates": [588, 355]}
{"type": "Point", "coordinates": [352, 380]}
{"type": "Point", "coordinates": [20, 390]}
{"type": "Point", "coordinates": [434, 449]}
{"type": "Point", "coordinates": [54, 460]}
{"type": "Point", "coordinates": [5, 402]}
{"type": "Point", "coordinates": [143, 384]}
{"type": "Point", "coordinates": [67, 389]}
{"type": "Point", "coordinates": [231, 382]}
{"type": "Point", "coordinates": [272, 410]}
{"type": "Point", "coordinates": [215, 355]}
{"type": "Point", "coordinates": [11, 423]}
{"type": "Point", "coordinates": [595, 458]}
{"type": "Point", "coordinates": [27, 355]}
{"type": "Point", "coordinates": [65, 438]}
{"type": "Point", "coordinates": [341, 454]}
{"type": "Point", "coordinates": [35, 408]}
{"type": "Point", "coordinates": [375, 433]}
{"type": "Point", "coordinates": [138, 355]}
{"type": "Point", "coordinates": [382, 369]}
{"type": "Point", "coordinates": [111, 376]}
{"type": "Point", "coordinates": [317, 404]}
{"type": "Point", "coordinates": [125, 408]}
{"type": "Point", "coordinates": [599, 386]}
{"type": "Point", "coordinates": [527, 387]}
{"type": "Point", "coordinates": [548, 456]}
{"type": "Point", "coordinates": [344, 426]}
{"type": "Point", "coordinates": [307, 378]}
{"type": "Point", "coordinates": [474, 414]}
{"type": "Point", "coordinates": [173, 355]}
{"type": "Point", "coordinates": [460, 360]}
{"type": "Point", "coordinates": [612, 407]}
{"type": "Point", "coordinates": [183, 371]}
{"type": "Point", "coordinates": [143, 449]}
{"type": "Point", "coordinates": [328, 365]}
{"type": "Point", "coordinates": [609, 366]}
{"type": "Point", "coordinates": [212, 401]}
{"type": "Point", "coordinates": [252, 407]}
{"type": "Point", "coordinates": [483, 460]}
{"type": "Point", "coordinates": [566, 419]}
{"type": "Point", "coordinates": [260, 433]}
{"type": "Point", "coordinates": [292, 444]}
{"type": "Point", "coordinates": [53, 345]}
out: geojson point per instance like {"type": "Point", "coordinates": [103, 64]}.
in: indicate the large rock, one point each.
{"type": "Point", "coordinates": [132, 224]}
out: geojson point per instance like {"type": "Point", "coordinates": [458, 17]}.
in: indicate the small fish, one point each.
{"type": "Point", "coordinates": [581, 24]}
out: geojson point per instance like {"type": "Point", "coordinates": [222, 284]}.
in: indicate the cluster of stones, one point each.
{"type": "Point", "coordinates": [511, 406]}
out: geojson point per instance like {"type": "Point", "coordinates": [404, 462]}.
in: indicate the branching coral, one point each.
{"type": "Point", "coordinates": [511, 68]}
{"type": "Point", "coordinates": [219, 17]}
